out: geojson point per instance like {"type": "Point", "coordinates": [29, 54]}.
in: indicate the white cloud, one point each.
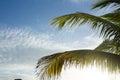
{"type": "Point", "coordinates": [15, 67]}
{"type": "Point", "coordinates": [93, 41]}
{"type": "Point", "coordinates": [17, 75]}
{"type": "Point", "coordinates": [18, 45]}
{"type": "Point", "coordinates": [21, 48]}
{"type": "Point", "coordinates": [13, 71]}
{"type": "Point", "coordinates": [12, 38]}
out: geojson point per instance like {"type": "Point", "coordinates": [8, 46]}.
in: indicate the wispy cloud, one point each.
{"type": "Point", "coordinates": [93, 41]}
{"type": "Point", "coordinates": [19, 42]}
{"type": "Point", "coordinates": [11, 38]}
{"type": "Point", "coordinates": [14, 38]}
{"type": "Point", "coordinates": [13, 71]}
{"type": "Point", "coordinates": [21, 48]}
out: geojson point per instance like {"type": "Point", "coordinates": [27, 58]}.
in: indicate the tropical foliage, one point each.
{"type": "Point", "coordinates": [51, 66]}
{"type": "Point", "coordinates": [109, 46]}
{"type": "Point", "coordinates": [105, 56]}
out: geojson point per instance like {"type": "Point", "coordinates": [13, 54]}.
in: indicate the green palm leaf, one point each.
{"type": "Point", "coordinates": [109, 46]}
{"type": "Point", "coordinates": [114, 17]}
{"type": "Point", "coordinates": [107, 28]}
{"type": "Point", "coordinates": [51, 66]}
{"type": "Point", "coordinates": [104, 3]}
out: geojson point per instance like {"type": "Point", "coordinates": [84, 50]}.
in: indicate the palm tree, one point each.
{"type": "Point", "coordinates": [106, 55]}
{"type": "Point", "coordinates": [51, 66]}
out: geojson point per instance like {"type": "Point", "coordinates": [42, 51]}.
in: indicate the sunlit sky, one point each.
{"type": "Point", "coordinates": [26, 35]}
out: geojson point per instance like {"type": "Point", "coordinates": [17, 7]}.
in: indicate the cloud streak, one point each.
{"type": "Point", "coordinates": [21, 48]}
{"type": "Point", "coordinates": [13, 38]}
{"type": "Point", "coordinates": [24, 43]}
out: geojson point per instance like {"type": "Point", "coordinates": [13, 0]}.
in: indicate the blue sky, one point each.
{"type": "Point", "coordinates": [26, 34]}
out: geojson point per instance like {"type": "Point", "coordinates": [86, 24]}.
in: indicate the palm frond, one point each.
{"type": "Point", "coordinates": [51, 66]}
{"type": "Point", "coordinates": [109, 46]}
{"type": "Point", "coordinates": [107, 28]}
{"type": "Point", "coordinates": [114, 17]}
{"type": "Point", "coordinates": [104, 3]}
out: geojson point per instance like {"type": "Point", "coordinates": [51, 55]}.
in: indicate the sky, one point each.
{"type": "Point", "coordinates": [26, 34]}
